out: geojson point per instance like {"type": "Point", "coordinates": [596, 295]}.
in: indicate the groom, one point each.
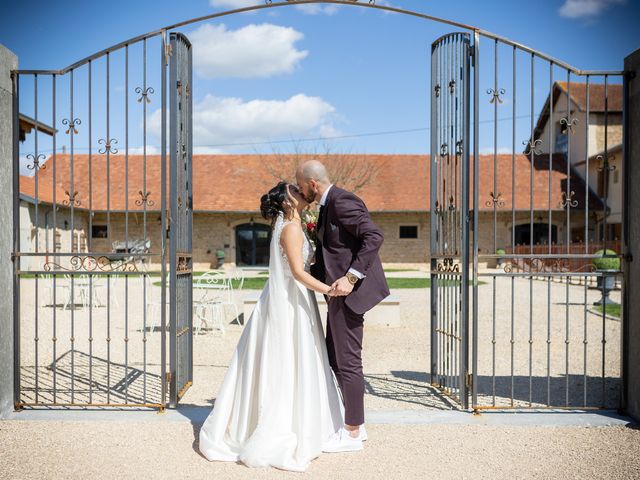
{"type": "Point", "coordinates": [347, 258]}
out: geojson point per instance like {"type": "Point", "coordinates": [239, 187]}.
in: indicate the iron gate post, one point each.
{"type": "Point", "coordinates": [16, 238]}
{"type": "Point", "coordinates": [476, 152]}
{"type": "Point", "coordinates": [433, 221]}
{"type": "Point", "coordinates": [163, 221]}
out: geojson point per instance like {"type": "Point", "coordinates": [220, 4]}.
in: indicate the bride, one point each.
{"type": "Point", "coordinates": [279, 400]}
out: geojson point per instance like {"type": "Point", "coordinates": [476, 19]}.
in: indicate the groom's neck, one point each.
{"type": "Point", "coordinates": [322, 187]}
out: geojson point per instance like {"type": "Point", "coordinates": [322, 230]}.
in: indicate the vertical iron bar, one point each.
{"type": "Point", "coordinates": [72, 207]}
{"type": "Point", "coordinates": [549, 229]}
{"type": "Point", "coordinates": [433, 218]}
{"type": "Point", "coordinates": [107, 151]}
{"type": "Point", "coordinates": [126, 221]}
{"type": "Point", "coordinates": [531, 236]}
{"type": "Point", "coordinates": [163, 176]}
{"type": "Point", "coordinates": [144, 220]}
{"type": "Point", "coordinates": [495, 217]}
{"type": "Point", "coordinates": [173, 284]}
{"type": "Point", "coordinates": [586, 156]}
{"type": "Point", "coordinates": [568, 206]}
{"type": "Point", "coordinates": [54, 339]}
{"type": "Point", "coordinates": [464, 328]}
{"type": "Point", "coordinates": [189, 105]}
{"type": "Point", "coordinates": [513, 219]}
{"type": "Point", "coordinates": [89, 242]}
{"type": "Point", "coordinates": [476, 84]}
{"type": "Point", "coordinates": [36, 169]}
{"type": "Point", "coordinates": [604, 230]}
{"type": "Point", "coordinates": [15, 84]}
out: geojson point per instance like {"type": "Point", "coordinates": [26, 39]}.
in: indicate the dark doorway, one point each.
{"type": "Point", "coordinates": [540, 234]}
{"type": "Point", "coordinates": [252, 244]}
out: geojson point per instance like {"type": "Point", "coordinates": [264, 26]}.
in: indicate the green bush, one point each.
{"type": "Point", "coordinates": [500, 251]}
{"type": "Point", "coordinates": [606, 263]}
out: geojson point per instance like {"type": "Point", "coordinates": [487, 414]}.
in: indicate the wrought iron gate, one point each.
{"type": "Point", "coordinates": [91, 228]}
{"type": "Point", "coordinates": [450, 64]}
{"type": "Point", "coordinates": [523, 334]}
{"type": "Point", "coordinates": [538, 337]}
{"type": "Point", "coordinates": [181, 283]}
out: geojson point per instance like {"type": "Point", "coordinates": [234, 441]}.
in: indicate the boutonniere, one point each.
{"type": "Point", "coordinates": [310, 224]}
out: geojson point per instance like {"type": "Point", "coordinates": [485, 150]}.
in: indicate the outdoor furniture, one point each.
{"type": "Point", "coordinates": [153, 304]}
{"type": "Point", "coordinates": [217, 293]}
{"type": "Point", "coordinates": [82, 285]}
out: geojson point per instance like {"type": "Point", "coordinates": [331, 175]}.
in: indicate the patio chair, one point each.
{"type": "Point", "coordinates": [216, 290]}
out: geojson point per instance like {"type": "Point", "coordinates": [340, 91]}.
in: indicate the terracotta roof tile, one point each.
{"type": "Point", "coordinates": [234, 183]}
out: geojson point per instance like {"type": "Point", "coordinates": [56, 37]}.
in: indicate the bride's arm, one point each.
{"type": "Point", "coordinates": [291, 241]}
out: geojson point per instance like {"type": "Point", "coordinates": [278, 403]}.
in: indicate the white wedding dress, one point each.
{"type": "Point", "coordinates": [279, 401]}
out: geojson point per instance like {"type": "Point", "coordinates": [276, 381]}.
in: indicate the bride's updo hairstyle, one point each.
{"type": "Point", "coordinates": [272, 203]}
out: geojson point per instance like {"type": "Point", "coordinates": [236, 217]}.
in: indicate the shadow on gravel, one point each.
{"type": "Point", "coordinates": [407, 387]}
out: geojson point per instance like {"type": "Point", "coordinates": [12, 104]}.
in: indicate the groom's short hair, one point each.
{"type": "Point", "coordinates": [314, 170]}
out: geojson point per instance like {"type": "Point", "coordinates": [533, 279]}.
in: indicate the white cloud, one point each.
{"type": "Point", "coordinates": [586, 8]}
{"type": "Point", "coordinates": [224, 121]}
{"type": "Point", "coordinates": [151, 150]}
{"type": "Point", "coordinates": [311, 9]}
{"type": "Point", "coordinates": [499, 150]}
{"type": "Point", "coordinates": [329, 131]}
{"type": "Point", "coordinates": [252, 51]}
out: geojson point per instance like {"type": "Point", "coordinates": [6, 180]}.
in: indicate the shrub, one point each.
{"type": "Point", "coordinates": [606, 263]}
{"type": "Point", "coordinates": [500, 251]}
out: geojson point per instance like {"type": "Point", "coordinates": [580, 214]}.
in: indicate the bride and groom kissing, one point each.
{"type": "Point", "coordinates": [291, 390]}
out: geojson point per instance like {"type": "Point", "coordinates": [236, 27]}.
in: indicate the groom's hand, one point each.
{"type": "Point", "coordinates": [342, 286]}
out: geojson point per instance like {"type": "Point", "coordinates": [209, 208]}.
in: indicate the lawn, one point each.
{"type": "Point", "coordinates": [257, 283]}
{"type": "Point", "coordinates": [611, 309]}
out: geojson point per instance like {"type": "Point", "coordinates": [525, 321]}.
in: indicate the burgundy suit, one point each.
{"type": "Point", "coordinates": [348, 238]}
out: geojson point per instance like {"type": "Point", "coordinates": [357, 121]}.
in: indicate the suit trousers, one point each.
{"type": "Point", "coordinates": [344, 348]}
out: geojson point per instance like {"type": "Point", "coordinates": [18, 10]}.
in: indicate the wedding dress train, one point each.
{"type": "Point", "coordinates": [279, 401]}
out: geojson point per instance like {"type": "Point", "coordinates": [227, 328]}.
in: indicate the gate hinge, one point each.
{"type": "Point", "coordinates": [13, 256]}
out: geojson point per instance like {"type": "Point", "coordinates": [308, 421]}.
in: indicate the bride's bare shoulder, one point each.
{"type": "Point", "coordinates": [289, 230]}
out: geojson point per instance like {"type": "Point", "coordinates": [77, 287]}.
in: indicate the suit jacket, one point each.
{"type": "Point", "coordinates": [348, 238]}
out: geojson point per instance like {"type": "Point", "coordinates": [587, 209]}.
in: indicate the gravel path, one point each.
{"type": "Point", "coordinates": [145, 450]}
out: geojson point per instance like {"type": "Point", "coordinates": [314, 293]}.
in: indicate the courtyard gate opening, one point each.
{"type": "Point", "coordinates": [518, 233]}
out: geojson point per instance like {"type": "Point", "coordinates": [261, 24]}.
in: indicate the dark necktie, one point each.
{"type": "Point", "coordinates": [320, 215]}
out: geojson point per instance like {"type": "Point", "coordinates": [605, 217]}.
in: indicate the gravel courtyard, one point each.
{"type": "Point", "coordinates": [396, 363]}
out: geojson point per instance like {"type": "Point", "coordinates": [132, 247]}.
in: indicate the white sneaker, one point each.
{"type": "Point", "coordinates": [341, 441]}
{"type": "Point", "coordinates": [363, 433]}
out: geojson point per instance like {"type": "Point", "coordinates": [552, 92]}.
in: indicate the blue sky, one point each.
{"type": "Point", "coordinates": [271, 80]}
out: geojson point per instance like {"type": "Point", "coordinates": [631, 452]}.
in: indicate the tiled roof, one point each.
{"type": "Point", "coordinates": [234, 183]}
{"type": "Point", "coordinates": [579, 101]}
{"type": "Point", "coordinates": [596, 96]}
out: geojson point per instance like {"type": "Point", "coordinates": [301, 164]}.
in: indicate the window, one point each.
{"type": "Point", "coordinates": [408, 231]}
{"type": "Point", "coordinates": [99, 231]}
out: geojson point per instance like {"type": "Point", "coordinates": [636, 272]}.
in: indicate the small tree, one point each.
{"type": "Point", "coordinates": [351, 172]}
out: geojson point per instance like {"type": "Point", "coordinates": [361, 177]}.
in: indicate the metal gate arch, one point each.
{"type": "Point", "coordinates": [457, 351]}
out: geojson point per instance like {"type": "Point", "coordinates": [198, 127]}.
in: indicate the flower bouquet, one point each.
{"type": "Point", "coordinates": [310, 224]}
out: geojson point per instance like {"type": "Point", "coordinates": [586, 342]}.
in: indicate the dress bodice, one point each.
{"type": "Point", "coordinates": [307, 247]}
